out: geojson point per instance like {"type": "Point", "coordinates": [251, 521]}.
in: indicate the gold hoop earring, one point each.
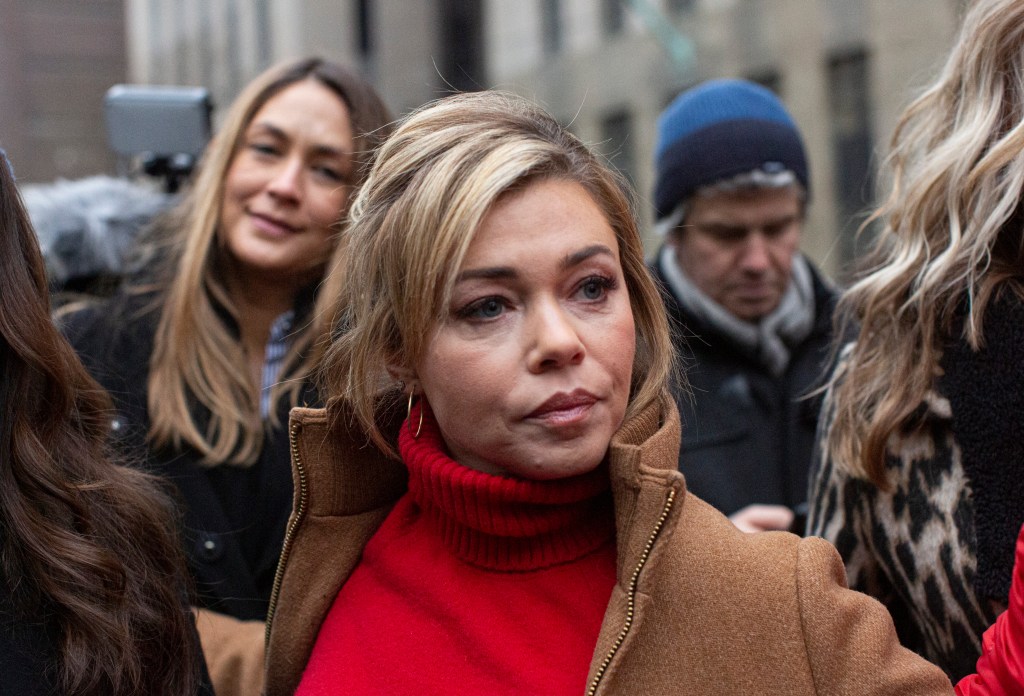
{"type": "Point", "coordinates": [408, 417]}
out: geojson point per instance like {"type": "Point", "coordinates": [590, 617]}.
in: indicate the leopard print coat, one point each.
{"type": "Point", "coordinates": [912, 547]}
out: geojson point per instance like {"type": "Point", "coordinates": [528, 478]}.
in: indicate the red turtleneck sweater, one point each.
{"type": "Point", "coordinates": [474, 584]}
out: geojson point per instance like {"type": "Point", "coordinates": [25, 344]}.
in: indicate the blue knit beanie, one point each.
{"type": "Point", "coordinates": [718, 130]}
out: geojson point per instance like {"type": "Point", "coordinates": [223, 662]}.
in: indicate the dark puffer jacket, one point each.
{"type": "Point", "coordinates": [747, 434]}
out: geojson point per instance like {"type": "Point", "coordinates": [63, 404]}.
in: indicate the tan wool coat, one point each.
{"type": "Point", "coordinates": [698, 607]}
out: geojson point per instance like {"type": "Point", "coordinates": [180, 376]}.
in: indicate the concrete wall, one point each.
{"type": "Point", "coordinates": [57, 59]}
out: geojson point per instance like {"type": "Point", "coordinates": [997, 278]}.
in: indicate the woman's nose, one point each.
{"type": "Point", "coordinates": [286, 183]}
{"type": "Point", "coordinates": [554, 339]}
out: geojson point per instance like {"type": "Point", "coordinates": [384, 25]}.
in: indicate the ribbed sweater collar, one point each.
{"type": "Point", "coordinates": [499, 523]}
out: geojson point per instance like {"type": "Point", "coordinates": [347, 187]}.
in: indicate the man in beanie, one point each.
{"type": "Point", "coordinates": [752, 318]}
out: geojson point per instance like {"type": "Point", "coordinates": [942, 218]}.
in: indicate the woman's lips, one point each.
{"type": "Point", "coordinates": [272, 226]}
{"type": "Point", "coordinates": [564, 408]}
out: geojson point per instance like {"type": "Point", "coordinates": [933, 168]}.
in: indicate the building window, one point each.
{"type": "Point", "coordinates": [769, 80]}
{"type": "Point", "coordinates": [613, 17]}
{"type": "Point", "coordinates": [462, 31]}
{"type": "Point", "coordinates": [850, 112]}
{"type": "Point", "coordinates": [364, 28]}
{"type": "Point", "coordinates": [671, 95]}
{"type": "Point", "coordinates": [617, 142]}
{"type": "Point", "coordinates": [551, 25]}
{"type": "Point", "coordinates": [680, 6]}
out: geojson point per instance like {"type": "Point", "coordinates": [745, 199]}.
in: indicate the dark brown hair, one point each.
{"type": "Point", "coordinates": [88, 543]}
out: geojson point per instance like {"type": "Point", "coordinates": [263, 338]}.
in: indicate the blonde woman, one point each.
{"type": "Point", "coordinates": [525, 528]}
{"type": "Point", "coordinates": [207, 350]}
{"type": "Point", "coordinates": [922, 464]}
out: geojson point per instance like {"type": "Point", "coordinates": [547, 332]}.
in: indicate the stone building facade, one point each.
{"type": "Point", "coordinates": [606, 67]}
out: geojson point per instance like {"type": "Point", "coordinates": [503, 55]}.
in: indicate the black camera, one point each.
{"type": "Point", "coordinates": [166, 127]}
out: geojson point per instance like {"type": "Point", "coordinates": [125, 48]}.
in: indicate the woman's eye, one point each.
{"type": "Point", "coordinates": [594, 288]}
{"type": "Point", "coordinates": [263, 148]}
{"type": "Point", "coordinates": [487, 308]}
{"type": "Point", "coordinates": [329, 173]}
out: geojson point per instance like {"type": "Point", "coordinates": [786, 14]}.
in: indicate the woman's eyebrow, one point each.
{"type": "Point", "coordinates": [267, 127]}
{"type": "Point", "coordinates": [321, 149]}
{"type": "Point", "coordinates": [491, 273]}
{"type": "Point", "coordinates": [509, 273]}
{"type": "Point", "coordinates": [578, 257]}
{"type": "Point", "coordinates": [330, 150]}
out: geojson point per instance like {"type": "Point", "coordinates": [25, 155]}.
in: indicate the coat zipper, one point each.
{"type": "Point", "coordinates": [634, 580]}
{"type": "Point", "coordinates": [289, 535]}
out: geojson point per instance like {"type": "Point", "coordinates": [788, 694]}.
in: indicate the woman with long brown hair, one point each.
{"type": "Point", "coordinates": [920, 481]}
{"type": "Point", "coordinates": [93, 588]}
{"type": "Point", "coordinates": [210, 345]}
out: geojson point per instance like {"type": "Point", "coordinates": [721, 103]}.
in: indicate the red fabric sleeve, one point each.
{"type": "Point", "coordinates": [1001, 665]}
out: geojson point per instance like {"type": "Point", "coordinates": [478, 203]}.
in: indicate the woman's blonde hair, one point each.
{"type": "Point", "coordinates": [196, 356]}
{"type": "Point", "coordinates": [951, 235]}
{"type": "Point", "coordinates": [432, 184]}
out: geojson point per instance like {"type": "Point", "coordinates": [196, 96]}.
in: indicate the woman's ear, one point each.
{"type": "Point", "coordinates": [406, 376]}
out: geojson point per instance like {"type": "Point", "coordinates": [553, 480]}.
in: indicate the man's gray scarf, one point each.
{"type": "Point", "coordinates": [768, 341]}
